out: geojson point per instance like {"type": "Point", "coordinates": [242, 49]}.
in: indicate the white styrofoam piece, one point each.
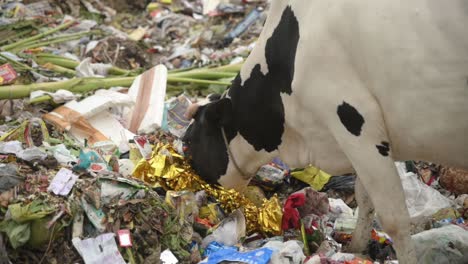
{"type": "Point", "coordinates": [153, 116]}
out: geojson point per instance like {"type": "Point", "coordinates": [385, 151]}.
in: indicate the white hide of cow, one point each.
{"type": "Point", "coordinates": [403, 65]}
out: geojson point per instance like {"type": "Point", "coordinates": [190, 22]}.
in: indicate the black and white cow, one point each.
{"type": "Point", "coordinates": [345, 85]}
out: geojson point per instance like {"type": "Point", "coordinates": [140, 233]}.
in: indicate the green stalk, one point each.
{"type": "Point", "coordinates": [131, 258]}
{"type": "Point", "coordinates": [63, 62]}
{"type": "Point", "coordinates": [57, 39]}
{"type": "Point", "coordinates": [38, 36]}
{"type": "Point", "coordinates": [16, 35]}
{"type": "Point", "coordinates": [59, 69]}
{"type": "Point", "coordinates": [76, 85]}
{"type": "Point", "coordinates": [44, 58]}
{"type": "Point", "coordinates": [19, 65]}
{"type": "Point", "coordinates": [199, 81]}
{"type": "Point", "coordinates": [204, 74]}
{"type": "Point", "coordinates": [40, 99]}
{"type": "Point", "coordinates": [229, 68]}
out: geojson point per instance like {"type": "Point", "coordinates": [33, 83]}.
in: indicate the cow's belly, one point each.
{"type": "Point", "coordinates": [417, 69]}
{"type": "Point", "coordinates": [412, 56]}
{"type": "Point", "coordinates": [307, 141]}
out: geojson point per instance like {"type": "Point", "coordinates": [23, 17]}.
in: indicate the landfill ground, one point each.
{"type": "Point", "coordinates": [92, 101]}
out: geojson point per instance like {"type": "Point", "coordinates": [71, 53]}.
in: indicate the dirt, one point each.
{"type": "Point", "coordinates": [126, 54]}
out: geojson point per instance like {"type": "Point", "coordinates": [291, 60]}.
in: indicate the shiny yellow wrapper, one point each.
{"type": "Point", "coordinates": [170, 170]}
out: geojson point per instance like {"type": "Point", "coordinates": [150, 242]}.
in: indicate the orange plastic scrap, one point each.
{"type": "Point", "coordinates": [7, 74]}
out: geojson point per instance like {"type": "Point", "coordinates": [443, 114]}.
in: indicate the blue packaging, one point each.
{"type": "Point", "coordinates": [258, 256]}
{"type": "Point", "coordinates": [214, 247]}
{"type": "Point", "coordinates": [243, 25]}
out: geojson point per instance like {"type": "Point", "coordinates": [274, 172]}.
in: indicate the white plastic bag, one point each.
{"type": "Point", "coordinates": [229, 231]}
{"type": "Point", "coordinates": [421, 200]}
{"type": "Point", "coordinates": [289, 252]}
{"type": "Point", "coordinates": [448, 244]}
{"type": "Point", "coordinates": [339, 209]}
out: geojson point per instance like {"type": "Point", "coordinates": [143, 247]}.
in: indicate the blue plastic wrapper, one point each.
{"type": "Point", "coordinates": [214, 247]}
{"type": "Point", "coordinates": [90, 160]}
{"type": "Point", "coordinates": [258, 256]}
{"type": "Point", "coordinates": [243, 25]}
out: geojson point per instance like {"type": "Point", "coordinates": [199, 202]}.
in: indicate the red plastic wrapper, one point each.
{"type": "Point", "coordinates": [7, 74]}
{"type": "Point", "coordinates": [125, 240]}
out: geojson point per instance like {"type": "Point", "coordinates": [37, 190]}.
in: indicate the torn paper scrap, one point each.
{"type": "Point", "coordinates": [63, 182]}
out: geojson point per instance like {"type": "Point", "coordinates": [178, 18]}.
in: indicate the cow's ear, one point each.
{"type": "Point", "coordinates": [219, 112]}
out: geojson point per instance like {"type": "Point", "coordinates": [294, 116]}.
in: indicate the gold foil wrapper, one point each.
{"type": "Point", "coordinates": [170, 170]}
{"type": "Point", "coordinates": [270, 216]}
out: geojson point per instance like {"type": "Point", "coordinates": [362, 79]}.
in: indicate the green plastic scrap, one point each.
{"type": "Point", "coordinates": [18, 228]}
{"type": "Point", "coordinates": [35, 210]}
{"type": "Point", "coordinates": [18, 234]}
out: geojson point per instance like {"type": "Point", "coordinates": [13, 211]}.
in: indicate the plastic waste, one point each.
{"type": "Point", "coordinates": [33, 153]}
{"type": "Point", "coordinates": [115, 190]}
{"type": "Point", "coordinates": [185, 204]}
{"type": "Point", "coordinates": [60, 96]}
{"type": "Point", "coordinates": [214, 247]}
{"type": "Point", "coordinates": [7, 74]}
{"type": "Point", "coordinates": [421, 200]}
{"type": "Point", "coordinates": [289, 252]}
{"type": "Point", "coordinates": [339, 209]}
{"type": "Point", "coordinates": [88, 69]}
{"type": "Point", "coordinates": [269, 176]}
{"type": "Point", "coordinates": [448, 244]}
{"type": "Point", "coordinates": [313, 176]}
{"type": "Point", "coordinates": [243, 25]}
{"type": "Point", "coordinates": [258, 256]}
{"type": "Point", "coordinates": [176, 121]}
{"type": "Point", "coordinates": [126, 167]}
{"type": "Point", "coordinates": [340, 183]}
{"type": "Point", "coordinates": [148, 89]}
{"type": "Point", "coordinates": [167, 257]}
{"type": "Point", "coordinates": [9, 177]}
{"type": "Point", "coordinates": [11, 147]}
{"type": "Point", "coordinates": [63, 182]}
{"type": "Point", "coordinates": [62, 154]}
{"type": "Point", "coordinates": [90, 118]}
{"type": "Point", "coordinates": [101, 249]}
{"type": "Point", "coordinates": [229, 231]}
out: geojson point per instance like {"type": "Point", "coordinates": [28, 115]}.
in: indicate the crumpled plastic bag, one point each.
{"type": "Point", "coordinates": [59, 96]}
{"type": "Point", "coordinates": [448, 244]}
{"type": "Point", "coordinates": [11, 147]}
{"type": "Point", "coordinates": [88, 69]}
{"type": "Point", "coordinates": [421, 200]}
{"type": "Point", "coordinates": [62, 154]}
{"type": "Point", "coordinates": [229, 231]}
{"type": "Point", "coordinates": [9, 177]}
{"type": "Point", "coordinates": [289, 252]}
{"type": "Point", "coordinates": [32, 154]}
{"type": "Point", "coordinates": [339, 209]}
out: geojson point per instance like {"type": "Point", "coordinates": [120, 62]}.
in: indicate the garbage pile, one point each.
{"type": "Point", "coordinates": [92, 101]}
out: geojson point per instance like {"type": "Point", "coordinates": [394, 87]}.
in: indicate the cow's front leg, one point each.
{"type": "Point", "coordinates": [360, 130]}
{"type": "Point", "coordinates": [362, 233]}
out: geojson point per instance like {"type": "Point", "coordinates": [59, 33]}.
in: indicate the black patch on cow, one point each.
{"type": "Point", "coordinates": [258, 108]}
{"type": "Point", "coordinates": [350, 118]}
{"type": "Point", "coordinates": [205, 144]}
{"type": "Point", "coordinates": [384, 148]}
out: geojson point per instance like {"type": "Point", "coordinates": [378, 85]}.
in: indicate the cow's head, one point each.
{"type": "Point", "coordinates": [208, 150]}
